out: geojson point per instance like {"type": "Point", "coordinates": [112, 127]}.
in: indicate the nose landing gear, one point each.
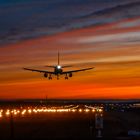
{"type": "Point", "coordinates": [57, 77]}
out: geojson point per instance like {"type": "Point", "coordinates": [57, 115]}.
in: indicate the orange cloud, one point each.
{"type": "Point", "coordinates": [116, 73]}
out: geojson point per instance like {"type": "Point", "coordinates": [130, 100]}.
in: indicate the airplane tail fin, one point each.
{"type": "Point", "coordinates": [65, 66]}
{"type": "Point", "coordinates": [58, 59]}
{"type": "Point", "coordinates": [51, 66]}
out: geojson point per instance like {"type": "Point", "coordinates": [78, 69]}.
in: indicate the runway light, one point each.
{"type": "Point", "coordinates": [7, 113]}
{"type": "Point", "coordinates": [14, 110]}
{"type": "Point", "coordinates": [73, 110]}
{"type": "Point", "coordinates": [23, 112]}
{"type": "Point", "coordinates": [18, 111]}
{"type": "Point", "coordinates": [15, 113]}
{"type": "Point", "coordinates": [29, 111]}
{"type": "Point", "coordinates": [60, 110]}
{"type": "Point", "coordinates": [87, 110]}
{"type": "Point", "coordinates": [100, 110]}
{"type": "Point", "coordinates": [45, 110]}
{"type": "Point", "coordinates": [34, 110]}
{"type": "Point", "coordinates": [53, 109]}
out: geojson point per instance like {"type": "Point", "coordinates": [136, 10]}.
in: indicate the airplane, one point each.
{"type": "Point", "coordinates": [58, 70]}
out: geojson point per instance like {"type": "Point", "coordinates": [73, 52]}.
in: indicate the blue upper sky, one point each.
{"type": "Point", "coordinates": [24, 19]}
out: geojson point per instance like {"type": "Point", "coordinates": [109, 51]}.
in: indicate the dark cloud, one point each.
{"type": "Point", "coordinates": [28, 19]}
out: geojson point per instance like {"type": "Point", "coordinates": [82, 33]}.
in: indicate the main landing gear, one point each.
{"type": "Point", "coordinates": [66, 77]}
{"type": "Point", "coordinates": [50, 77]}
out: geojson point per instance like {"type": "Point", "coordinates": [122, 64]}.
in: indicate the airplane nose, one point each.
{"type": "Point", "coordinates": [59, 67]}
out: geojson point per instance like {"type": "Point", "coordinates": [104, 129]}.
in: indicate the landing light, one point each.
{"type": "Point", "coordinates": [59, 67]}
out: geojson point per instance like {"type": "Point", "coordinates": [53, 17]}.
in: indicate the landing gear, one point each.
{"type": "Point", "coordinates": [50, 78]}
{"type": "Point", "coordinates": [66, 77]}
{"type": "Point", "coordinates": [57, 77]}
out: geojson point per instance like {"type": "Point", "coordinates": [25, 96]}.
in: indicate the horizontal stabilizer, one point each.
{"type": "Point", "coordinates": [66, 66]}
{"type": "Point", "coordinates": [50, 66]}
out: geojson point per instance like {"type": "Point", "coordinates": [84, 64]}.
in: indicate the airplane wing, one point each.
{"type": "Point", "coordinates": [71, 71]}
{"type": "Point", "coordinates": [43, 71]}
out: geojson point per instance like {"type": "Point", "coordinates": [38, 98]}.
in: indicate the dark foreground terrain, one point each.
{"type": "Point", "coordinates": [72, 125]}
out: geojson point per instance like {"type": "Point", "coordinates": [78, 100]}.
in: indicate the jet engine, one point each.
{"type": "Point", "coordinates": [70, 75]}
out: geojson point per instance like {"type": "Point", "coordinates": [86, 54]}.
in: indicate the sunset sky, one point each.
{"type": "Point", "coordinates": [104, 34]}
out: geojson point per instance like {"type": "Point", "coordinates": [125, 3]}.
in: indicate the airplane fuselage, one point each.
{"type": "Point", "coordinates": [58, 70]}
